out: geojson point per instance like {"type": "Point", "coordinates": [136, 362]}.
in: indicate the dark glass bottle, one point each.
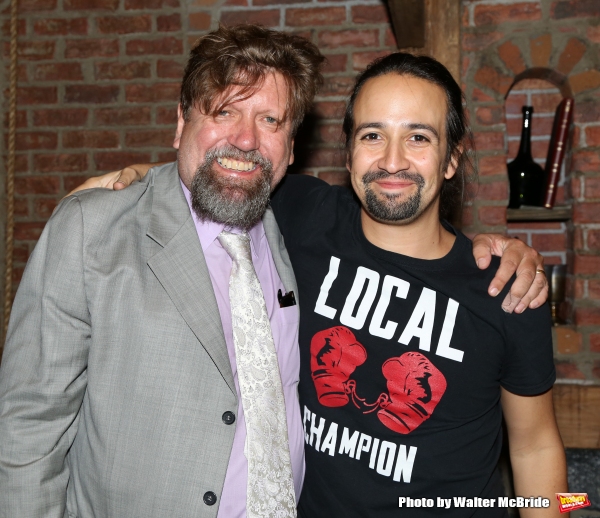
{"type": "Point", "coordinates": [526, 178]}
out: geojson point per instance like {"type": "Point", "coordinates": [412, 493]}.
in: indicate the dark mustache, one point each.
{"type": "Point", "coordinates": [372, 176]}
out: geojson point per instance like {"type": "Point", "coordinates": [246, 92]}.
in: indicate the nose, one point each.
{"type": "Point", "coordinates": [394, 159]}
{"type": "Point", "coordinates": [244, 135]}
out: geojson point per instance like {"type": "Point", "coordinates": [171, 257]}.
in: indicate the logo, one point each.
{"type": "Point", "coordinates": [570, 501]}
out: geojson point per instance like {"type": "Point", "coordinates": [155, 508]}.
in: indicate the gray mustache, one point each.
{"type": "Point", "coordinates": [234, 153]}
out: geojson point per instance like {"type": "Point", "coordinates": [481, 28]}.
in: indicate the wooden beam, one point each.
{"type": "Point", "coordinates": [408, 22]}
{"type": "Point", "coordinates": [577, 409]}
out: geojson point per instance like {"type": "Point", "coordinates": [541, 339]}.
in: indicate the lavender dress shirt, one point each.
{"type": "Point", "coordinates": [284, 325]}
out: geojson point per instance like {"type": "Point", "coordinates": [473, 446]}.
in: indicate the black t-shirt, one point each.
{"type": "Point", "coordinates": [401, 364]}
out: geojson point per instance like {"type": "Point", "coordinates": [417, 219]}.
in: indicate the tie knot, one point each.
{"type": "Point", "coordinates": [236, 245]}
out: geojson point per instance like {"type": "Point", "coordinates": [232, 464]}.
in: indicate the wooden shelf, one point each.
{"type": "Point", "coordinates": [526, 213]}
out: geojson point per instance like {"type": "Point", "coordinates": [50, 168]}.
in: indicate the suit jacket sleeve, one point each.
{"type": "Point", "coordinates": [43, 374]}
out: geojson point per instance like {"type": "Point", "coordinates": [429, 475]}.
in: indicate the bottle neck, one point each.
{"type": "Point", "coordinates": [525, 146]}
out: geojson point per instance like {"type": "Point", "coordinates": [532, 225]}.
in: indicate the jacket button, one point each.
{"type": "Point", "coordinates": [228, 417]}
{"type": "Point", "coordinates": [210, 498]}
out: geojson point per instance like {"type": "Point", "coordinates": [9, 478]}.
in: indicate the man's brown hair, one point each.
{"type": "Point", "coordinates": [242, 56]}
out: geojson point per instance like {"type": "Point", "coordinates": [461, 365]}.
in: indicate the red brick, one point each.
{"type": "Point", "coordinates": [389, 39]}
{"type": "Point", "coordinates": [536, 226]}
{"type": "Point", "coordinates": [570, 56]}
{"type": "Point", "coordinates": [266, 17]}
{"type": "Point", "coordinates": [587, 316]}
{"type": "Point", "coordinates": [35, 50]}
{"type": "Point", "coordinates": [150, 4]}
{"type": "Point", "coordinates": [169, 69]}
{"type": "Point", "coordinates": [58, 72]}
{"type": "Point", "coordinates": [200, 21]}
{"type": "Point", "coordinates": [90, 139]}
{"type": "Point", "coordinates": [360, 60]}
{"type": "Point", "coordinates": [592, 136]}
{"type": "Point", "coordinates": [586, 264]}
{"type": "Point", "coordinates": [335, 63]}
{"type": "Point", "coordinates": [140, 115]}
{"type": "Point", "coordinates": [21, 28]}
{"type": "Point", "coordinates": [166, 156]}
{"type": "Point", "coordinates": [21, 208]}
{"type": "Point", "coordinates": [370, 14]}
{"type": "Point", "coordinates": [587, 111]}
{"type": "Point", "coordinates": [37, 185]}
{"type": "Point", "coordinates": [91, 94]}
{"type": "Point", "coordinates": [593, 240]}
{"type": "Point", "coordinates": [167, 46]}
{"type": "Point", "coordinates": [35, 6]}
{"type": "Point", "coordinates": [61, 27]}
{"type": "Point", "coordinates": [492, 78]}
{"type": "Point", "coordinates": [574, 8]}
{"type": "Point", "coordinates": [492, 215]}
{"type": "Point", "coordinates": [489, 115]}
{"type": "Point", "coordinates": [594, 289]}
{"type": "Point", "coordinates": [91, 48]}
{"type": "Point", "coordinates": [36, 95]}
{"type": "Point", "coordinates": [518, 12]}
{"type": "Point", "coordinates": [489, 141]}
{"type": "Point", "coordinates": [35, 140]}
{"type": "Point", "coordinates": [147, 138]}
{"type": "Point", "coordinates": [540, 49]}
{"type": "Point", "coordinates": [329, 134]}
{"type": "Point", "coordinates": [336, 177]}
{"type": "Point", "coordinates": [279, 2]}
{"type": "Point", "coordinates": [61, 117]}
{"type": "Point", "coordinates": [540, 126]}
{"type": "Point", "coordinates": [590, 79]}
{"type": "Point", "coordinates": [124, 24]}
{"type": "Point", "coordinates": [596, 369]}
{"type": "Point", "coordinates": [315, 16]}
{"type": "Point", "coordinates": [152, 93]}
{"type": "Point", "coordinates": [88, 5]}
{"type": "Point", "coordinates": [348, 38]}
{"type": "Point", "coordinates": [168, 22]}
{"type": "Point", "coordinates": [166, 115]}
{"type": "Point", "coordinates": [22, 164]}
{"type": "Point", "coordinates": [337, 85]}
{"type": "Point", "coordinates": [72, 181]}
{"type": "Point", "coordinates": [566, 370]}
{"type": "Point", "coordinates": [329, 109]}
{"type": "Point", "coordinates": [493, 191]}
{"type": "Point", "coordinates": [477, 41]}
{"type": "Point", "coordinates": [548, 242]}
{"type": "Point", "coordinates": [586, 161]}
{"type": "Point", "coordinates": [592, 187]}
{"type": "Point", "coordinates": [59, 163]}
{"type": "Point", "coordinates": [545, 103]}
{"type": "Point", "coordinates": [115, 160]}
{"type": "Point", "coordinates": [539, 150]}
{"type": "Point", "coordinates": [492, 165]}
{"type": "Point", "coordinates": [20, 253]}
{"type": "Point", "coordinates": [325, 157]}
{"type": "Point", "coordinates": [43, 207]}
{"type": "Point", "coordinates": [118, 70]}
{"type": "Point", "coordinates": [595, 343]}
{"type": "Point", "coordinates": [20, 120]}
{"type": "Point", "coordinates": [512, 57]}
{"type": "Point", "coordinates": [478, 95]}
{"type": "Point", "coordinates": [28, 232]}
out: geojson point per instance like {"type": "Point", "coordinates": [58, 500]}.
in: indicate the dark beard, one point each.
{"type": "Point", "coordinates": [233, 202]}
{"type": "Point", "coordinates": [386, 207]}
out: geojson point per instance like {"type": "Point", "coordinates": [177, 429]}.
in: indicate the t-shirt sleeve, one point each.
{"type": "Point", "coordinates": [295, 200]}
{"type": "Point", "coordinates": [528, 368]}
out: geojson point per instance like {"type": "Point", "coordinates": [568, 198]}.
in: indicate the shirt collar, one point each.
{"type": "Point", "coordinates": [208, 231]}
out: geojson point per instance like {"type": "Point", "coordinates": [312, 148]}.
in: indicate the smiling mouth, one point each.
{"type": "Point", "coordinates": [236, 165]}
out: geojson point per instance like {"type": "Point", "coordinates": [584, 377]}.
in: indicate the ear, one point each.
{"type": "Point", "coordinates": [291, 153]}
{"type": "Point", "coordinates": [180, 125]}
{"type": "Point", "coordinates": [452, 166]}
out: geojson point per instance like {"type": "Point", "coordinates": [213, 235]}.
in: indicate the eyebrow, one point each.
{"type": "Point", "coordinates": [410, 126]}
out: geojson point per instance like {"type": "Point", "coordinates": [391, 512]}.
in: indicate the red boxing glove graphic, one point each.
{"type": "Point", "coordinates": [334, 354]}
{"type": "Point", "coordinates": [415, 386]}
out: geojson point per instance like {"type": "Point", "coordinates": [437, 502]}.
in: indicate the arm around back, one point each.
{"type": "Point", "coordinates": [43, 375]}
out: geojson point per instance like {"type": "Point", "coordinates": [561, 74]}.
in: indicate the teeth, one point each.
{"type": "Point", "coordinates": [235, 164]}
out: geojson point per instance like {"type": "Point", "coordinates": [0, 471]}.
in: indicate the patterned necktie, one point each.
{"type": "Point", "coordinates": [270, 482]}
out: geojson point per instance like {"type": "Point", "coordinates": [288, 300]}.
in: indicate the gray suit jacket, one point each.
{"type": "Point", "coordinates": [116, 375]}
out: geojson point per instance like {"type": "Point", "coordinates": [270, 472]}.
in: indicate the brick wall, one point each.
{"type": "Point", "coordinates": [98, 82]}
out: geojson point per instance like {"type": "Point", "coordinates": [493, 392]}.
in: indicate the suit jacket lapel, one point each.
{"type": "Point", "coordinates": [280, 255]}
{"type": "Point", "coordinates": [181, 269]}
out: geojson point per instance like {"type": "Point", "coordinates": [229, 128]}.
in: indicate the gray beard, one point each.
{"type": "Point", "coordinates": [389, 208]}
{"type": "Point", "coordinates": [232, 202]}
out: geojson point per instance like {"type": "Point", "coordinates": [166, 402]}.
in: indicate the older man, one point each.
{"type": "Point", "coordinates": [151, 320]}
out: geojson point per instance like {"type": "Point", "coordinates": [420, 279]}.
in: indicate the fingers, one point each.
{"type": "Point", "coordinates": [482, 250]}
{"type": "Point", "coordinates": [106, 181]}
{"type": "Point", "coordinates": [127, 176]}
